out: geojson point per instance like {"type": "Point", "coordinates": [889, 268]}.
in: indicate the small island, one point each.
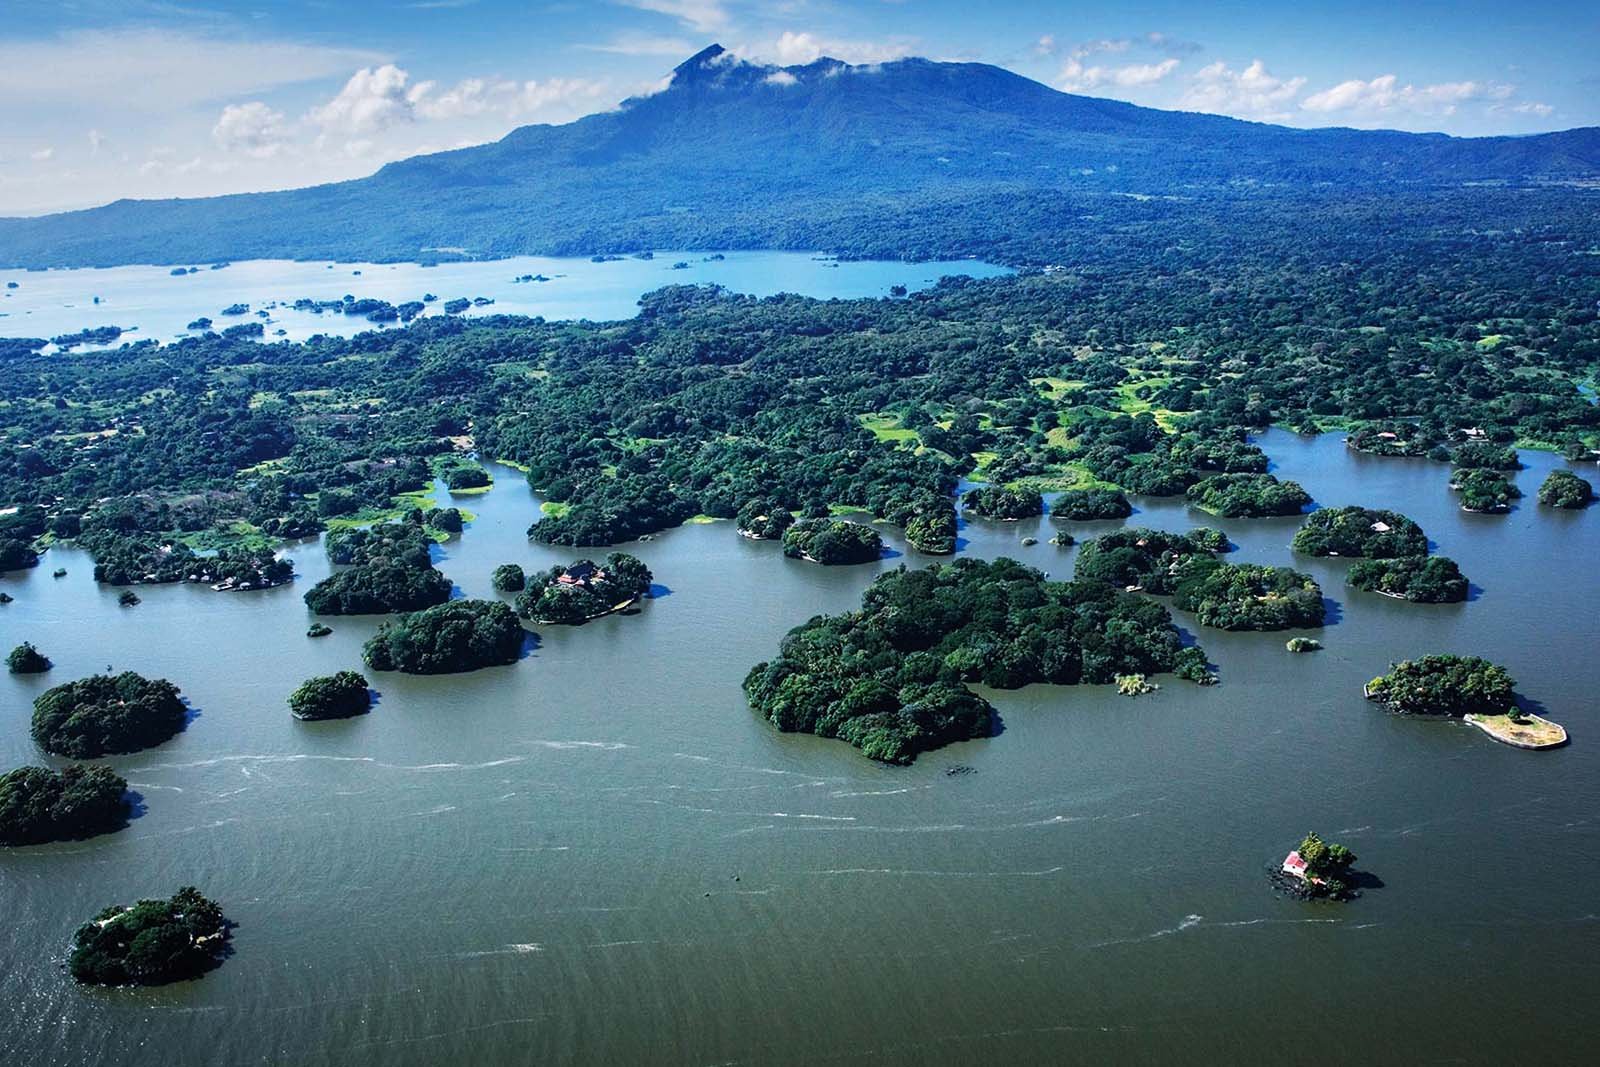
{"type": "Point", "coordinates": [1247, 496]}
{"type": "Point", "coordinates": [390, 570]}
{"type": "Point", "coordinates": [1444, 685]}
{"type": "Point", "coordinates": [151, 943]}
{"type": "Point", "coordinates": [333, 696]}
{"type": "Point", "coordinates": [1247, 596]}
{"type": "Point", "coordinates": [38, 805]}
{"type": "Point", "coordinates": [1563, 489]}
{"type": "Point", "coordinates": [763, 520]}
{"type": "Point", "coordinates": [508, 578]}
{"type": "Point", "coordinates": [1317, 870]}
{"type": "Point", "coordinates": [832, 542]}
{"type": "Point", "coordinates": [1469, 688]}
{"type": "Point", "coordinates": [1150, 561]}
{"type": "Point", "coordinates": [584, 590]}
{"type": "Point", "coordinates": [1090, 505]}
{"type": "Point", "coordinates": [1372, 533]}
{"type": "Point", "coordinates": [104, 714]}
{"type": "Point", "coordinates": [1419, 579]}
{"type": "Point", "coordinates": [1007, 505]}
{"type": "Point", "coordinates": [460, 635]}
{"type": "Point", "coordinates": [317, 629]}
{"type": "Point", "coordinates": [932, 529]}
{"type": "Point", "coordinates": [16, 554]}
{"type": "Point", "coordinates": [891, 677]}
{"type": "Point", "coordinates": [1303, 644]}
{"type": "Point", "coordinates": [465, 477]}
{"type": "Point", "coordinates": [1392, 439]}
{"type": "Point", "coordinates": [1486, 455]}
{"type": "Point", "coordinates": [26, 659]}
{"type": "Point", "coordinates": [1484, 491]}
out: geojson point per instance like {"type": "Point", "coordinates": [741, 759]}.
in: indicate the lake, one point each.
{"type": "Point", "coordinates": [159, 306]}
{"type": "Point", "coordinates": [600, 855]}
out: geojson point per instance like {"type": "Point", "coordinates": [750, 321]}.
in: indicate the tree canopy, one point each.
{"type": "Point", "coordinates": [461, 635]}
{"type": "Point", "coordinates": [890, 677]}
{"type": "Point", "coordinates": [1445, 685]}
{"type": "Point", "coordinates": [1354, 531]}
{"type": "Point", "coordinates": [25, 659]}
{"type": "Point", "coordinates": [105, 713]}
{"type": "Point", "coordinates": [38, 804]}
{"type": "Point", "coordinates": [583, 590]}
{"type": "Point", "coordinates": [333, 696]}
{"type": "Point", "coordinates": [1247, 596]}
{"type": "Point", "coordinates": [1564, 489]}
{"type": "Point", "coordinates": [832, 541]}
{"type": "Point", "coordinates": [1420, 579]}
{"type": "Point", "coordinates": [151, 943]}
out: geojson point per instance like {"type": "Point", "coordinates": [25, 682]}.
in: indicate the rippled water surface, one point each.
{"type": "Point", "coordinates": [600, 855]}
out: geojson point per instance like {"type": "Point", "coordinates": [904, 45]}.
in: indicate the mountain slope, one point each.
{"type": "Point", "coordinates": [816, 156]}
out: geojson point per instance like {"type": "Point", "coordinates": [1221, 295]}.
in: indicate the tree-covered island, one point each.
{"type": "Point", "coordinates": [763, 520]}
{"type": "Point", "coordinates": [998, 502]}
{"type": "Point", "coordinates": [1564, 489]}
{"type": "Point", "coordinates": [389, 569]}
{"type": "Point", "coordinates": [832, 541]}
{"type": "Point", "coordinates": [1444, 685]}
{"type": "Point", "coordinates": [1317, 869]}
{"type": "Point", "coordinates": [1152, 561]}
{"type": "Point", "coordinates": [1089, 505]}
{"type": "Point", "coordinates": [1419, 579]}
{"type": "Point", "coordinates": [1485, 491]}
{"type": "Point", "coordinates": [333, 696]}
{"type": "Point", "coordinates": [1372, 533]}
{"type": "Point", "coordinates": [26, 659]}
{"type": "Point", "coordinates": [1247, 596]}
{"type": "Point", "coordinates": [584, 590]}
{"type": "Point", "coordinates": [151, 943]}
{"type": "Point", "coordinates": [104, 714]}
{"type": "Point", "coordinates": [509, 578]}
{"type": "Point", "coordinates": [890, 678]}
{"type": "Point", "coordinates": [461, 635]}
{"type": "Point", "coordinates": [1247, 496]}
{"type": "Point", "coordinates": [39, 805]}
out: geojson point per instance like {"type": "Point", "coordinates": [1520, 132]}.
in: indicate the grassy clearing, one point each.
{"type": "Point", "coordinates": [554, 509]}
{"type": "Point", "coordinates": [1531, 732]}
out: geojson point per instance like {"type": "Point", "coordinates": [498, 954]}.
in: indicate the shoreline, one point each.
{"type": "Point", "coordinates": [1534, 734]}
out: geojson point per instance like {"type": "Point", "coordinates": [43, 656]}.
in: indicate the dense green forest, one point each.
{"type": "Point", "coordinates": [1422, 579]}
{"type": "Point", "coordinates": [1246, 596]}
{"type": "Point", "coordinates": [890, 677]}
{"type": "Point", "coordinates": [1145, 374]}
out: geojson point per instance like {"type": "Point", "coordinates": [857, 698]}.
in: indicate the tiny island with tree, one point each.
{"type": "Point", "coordinates": [1318, 869]}
{"type": "Point", "coordinates": [26, 659]}
{"type": "Point", "coordinates": [334, 696]}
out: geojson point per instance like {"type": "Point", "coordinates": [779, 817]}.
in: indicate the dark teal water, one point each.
{"type": "Point", "coordinates": [599, 855]}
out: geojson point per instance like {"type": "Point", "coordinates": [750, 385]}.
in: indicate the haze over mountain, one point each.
{"type": "Point", "coordinates": [907, 158]}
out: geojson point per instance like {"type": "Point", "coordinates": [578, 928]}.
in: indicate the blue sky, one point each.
{"type": "Point", "coordinates": [109, 98]}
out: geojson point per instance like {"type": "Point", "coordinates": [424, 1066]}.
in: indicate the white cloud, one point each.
{"type": "Point", "coordinates": [252, 128]}
{"type": "Point", "coordinates": [1251, 93]}
{"type": "Point", "coordinates": [1385, 94]}
{"type": "Point", "coordinates": [1046, 45]}
{"type": "Point", "coordinates": [794, 49]}
{"type": "Point", "coordinates": [154, 70]}
{"type": "Point", "coordinates": [702, 16]}
{"type": "Point", "coordinates": [1529, 107]}
{"type": "Point", "coordinates": [1077, 78]}
{"type": "Point", "coordinates": [781, 77]}
{"type": "Point", "coordinates": [374, 99]}
{"type": "Point", "coordinates": [96, 141]}
{"type": "Point", "coordinates": [43, 154]}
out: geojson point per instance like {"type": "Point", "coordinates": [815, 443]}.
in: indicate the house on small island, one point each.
{"type": "Point", "coordinates": [583, 573]}
{"type": "Point", "coordinates": [1295, 865]}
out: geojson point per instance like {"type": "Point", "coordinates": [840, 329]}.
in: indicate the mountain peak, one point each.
{"type": "Point", "coordinates": [697, 65]}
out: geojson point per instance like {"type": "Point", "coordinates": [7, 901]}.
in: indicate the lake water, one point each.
{"type": "Point", "coordinates": [157, 305]}
{"type": "Point", "coordinates": [600, 855]}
